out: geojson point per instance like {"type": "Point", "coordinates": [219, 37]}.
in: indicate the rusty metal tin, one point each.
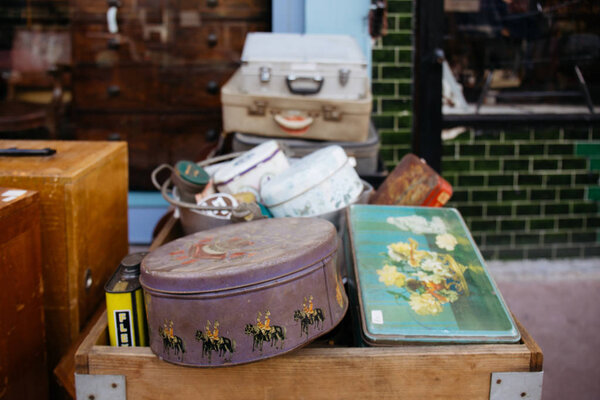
{"type": "Point", "coordinates": [243, 292]}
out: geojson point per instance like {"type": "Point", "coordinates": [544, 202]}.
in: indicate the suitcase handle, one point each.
{"type": "Point", "coordinates": [293, 124]}
{"type": "Point", "coordinates": [317, 79]}
{"type": "Point", "coordinates": [15, 152]}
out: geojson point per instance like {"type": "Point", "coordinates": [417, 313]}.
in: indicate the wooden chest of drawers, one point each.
{"type": "Point", "coordinates": [156, 82]}
{"type": "Point", "coordinates": [23, 372]}
{"type": "Point", "coordinates": [83, 197]}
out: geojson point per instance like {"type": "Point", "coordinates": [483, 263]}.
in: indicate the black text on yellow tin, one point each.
{"type": "Point", "coordinates": [125, 304]}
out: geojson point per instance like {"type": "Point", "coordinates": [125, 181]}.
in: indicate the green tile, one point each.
{"type": "Point", "coordinates": [449, 150]}
{"type": "Point", "coordinates": [395, 105]}
{"type": "Point", "coordinates": [486, 165]}
{"type": "Point", "coordinates": [585, 208]}
{"type": "Point", "coordinates": [529, 180]}
{"type": "Point", "coordinates": [558, 179]}
{"type": "Point", "coordinates": [375, 72]}
{"type": "Point", "coordinates": [375, 109]}
{"type": "Point", "coordinates": [394, 6]}
{"type": "Point", "coordinates": [383, 121]}
{"type": "Point", "coordinates": [511, 254]}
{"type": "Point", "coordinates": [538, 253]}
{"type": "Point", "coordinates": [570, 223]}
{"type": "Point", "coordinates": [488, 135]}
{"type": "Point", "coordinates": [404, 89]}
{"type": "Point", "coordinates": [471, 211]}
{"type": "Point", "coordinates": [388, 137]}
{"type": "Point", "coordinates": [404, 56]}
{"type": "Point", "coordinates": [471, 180]}
{"type": "Point", "coordinates": [593, 222]}
{"type": "Point", "coordinates": [501, 180]}
{"type": "Point", "coordinates": [460, 196]}
{"type": "Point", "coordinates": [395, 72]}
{"type": "Point", "coordinates": [497, 210]}
{"type": "Point", "coordinates": [383, 55]}
{"type": "Point", "coordinates": [591, 251]}
{"type": "Point", "coordinates": [405, 23]}
{"type": "Point", "coordinates": [392, 24]}
{"type": "Point", "coordinates": [594, 193]}
{"type": "Point", "coordinates": [571, 194]}
{"type": "Point", "coordinates": [574, 163]}
{"type": "Point", "coordinates": [531, 149]}
{"type": "Point", "coordinates": [588, 149]}
{"type": "Point", "coordinates": [528, 239]}
{"type": "Point", "coordinates": [512, 225]}
{"type": "Point", "coordinates": [554, 238]}
{"type": "Point", "coordinates": [512, 195]}
{"type": "Point", "coordinates": [561, 149]}
{"type": "Point", "coordinates": [543, 194]}
{"type": "Point", "coordinates": [484, 195]}
{"type": "Point", "coordinates": [528, 209]}
{"type": "Point", "coordinates": [387, 154]}
{"type": "Point", "coordinates": [404, 121]}
{"type": "Point", "coordinates": [397, 39]}
{"type": "Point", "coordinates": [489, 254]}
{"type": "Point", "coordinates": [516, 165]}
{"type": "Point", "coordinates": [472, 150]}
{"type": "Point", "coordinates": [588, 178]}
{"type": "Point", "coordinates": [498, 240]}
{"type": "Point", "coordinates": [569, 252]}
{"type": "Point", "coordinates": [554, 209]}
{"type": "Point", "coordinates": [484, 225]}
{"type": "Point", "coordinates": [383, 89]}
{"type": "Point", "coordinates": [502, 150]}
{"type": "Point", "coordinates": [584, 237]}
{"type": "Point", "coordinates": [595, 164]}
{"type": "Point", "coordinates": [542, 223]}
{"type": "Point", "coordinates": [517, 134]}
{"type": "Point", "coordinates": [545, 164]}
{"type": "Point", "coordinates": [456, 165]}
{"type": "Point", "coordinates": [451, 178]}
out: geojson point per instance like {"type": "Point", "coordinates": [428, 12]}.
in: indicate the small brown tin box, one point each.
{"type": "Point", "coordinates": [243, 292]}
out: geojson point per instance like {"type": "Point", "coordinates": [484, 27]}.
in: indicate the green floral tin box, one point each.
{"type": "Point", "coordinates": [418, 276]}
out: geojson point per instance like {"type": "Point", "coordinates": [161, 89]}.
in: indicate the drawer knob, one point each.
{"type": "Point", "coordinates": [212, 87]}
{"type": "Point", "coordinates": [211, 135]}
{"type": "Point", "coordinates": [88, 281]}
{"type": "Point", "coordinates": [212, 3]}
{"type": "Point", "coordinates": [212, 39]}
{"type": "Point", "coordinates": [113, 90]}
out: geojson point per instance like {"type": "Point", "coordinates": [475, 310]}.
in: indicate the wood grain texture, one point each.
{"type": "Point", "coordinates": [423, 372]}
{"type": "Point", "coordinates": [22, 342]}
{"type": "Point", "coordinates": [83, 195]}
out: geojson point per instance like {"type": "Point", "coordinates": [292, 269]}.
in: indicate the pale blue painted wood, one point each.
{"type": "Point", "coordinates": [288, 16]}
{"type": "Point", "coordinates": [349, 17]}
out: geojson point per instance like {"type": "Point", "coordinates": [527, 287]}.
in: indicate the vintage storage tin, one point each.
{"type": "Point", "coordinates": [321, 182]}
{"type": "Point", "coordinates": [125, 304]}
{"type": "Point", "coordinates": [413, 183]}
{"type": "Point", "coordinates": [282, 115]}
{"type": "Point", "coordinates": [326, 66]}
{"type": "Point", "coordinates": [252, 169]}
{"type": "Point", "coordinates": [418, 276]}
{"type": "Point", "coordinates": [365, 153]}
{"type": "Point", "coordinates": [243, 292]}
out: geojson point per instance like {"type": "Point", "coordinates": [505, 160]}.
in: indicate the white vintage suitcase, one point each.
{"type": "Point", "coordinates": [323, 66]}
{"type": "Point", "coordinates": [284, 115]}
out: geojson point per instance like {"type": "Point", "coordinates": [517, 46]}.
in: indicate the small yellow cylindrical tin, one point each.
{"type": "Point", "coordinates": [125, 304]}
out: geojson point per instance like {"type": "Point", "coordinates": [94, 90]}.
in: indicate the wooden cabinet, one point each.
{"type": "Point", "coordinates": [83, 197]}
{"type": "Point", "coordinates": [156, 82]}
{"type": "Point", "coordinates": [23, 373]}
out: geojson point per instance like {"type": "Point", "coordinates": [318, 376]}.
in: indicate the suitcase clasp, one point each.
{"type": "Point", "coordinates": [331, 113]}
{"type": "Point", "coordinates": [258, 108]}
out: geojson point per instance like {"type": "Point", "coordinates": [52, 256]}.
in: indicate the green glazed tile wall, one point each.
{"type": "Point", "coordinates": [528, 193]}
{"type": "Point", "coordinates": [392, 82]}
{"type": "Point", "coordinates": [524, 193]}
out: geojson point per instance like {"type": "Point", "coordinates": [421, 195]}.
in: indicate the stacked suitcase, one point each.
{"type": "Point", "coordinates": [308, 91]}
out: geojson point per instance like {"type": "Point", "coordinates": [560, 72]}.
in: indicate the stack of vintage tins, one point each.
{"type": "Point", "coordinates": [309, 91]}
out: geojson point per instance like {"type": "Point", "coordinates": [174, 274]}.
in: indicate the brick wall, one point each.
{"type": "Point", "coordinates": [524, 193]}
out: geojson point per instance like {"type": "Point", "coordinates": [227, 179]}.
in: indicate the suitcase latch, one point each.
{"type": "Point", "coordinates": [265, 74]}
{"type": "Point", "coordinates": [258, 108]}
{"type": "Point", "coordinates": [344, 76]}
{"type": "Point", "coordinates": [331, 113]}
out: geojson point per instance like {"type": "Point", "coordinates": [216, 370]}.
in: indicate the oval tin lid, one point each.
{"type": "Point", "coordinates": [246, 162]}
{"type": "Point", "coordinates": [303, 175]}
{"type": "Point", "coordinates": [238, 255]}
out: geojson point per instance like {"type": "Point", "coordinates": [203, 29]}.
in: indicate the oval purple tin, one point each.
{"type": "Point", "coordinates": [243, 292]}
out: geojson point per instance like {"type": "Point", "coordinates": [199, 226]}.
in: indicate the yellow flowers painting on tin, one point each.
{"type": "Point", "coordinates": [425, 279]}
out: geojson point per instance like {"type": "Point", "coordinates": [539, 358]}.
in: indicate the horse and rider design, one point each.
{"type": "Point", "coordinates": [309, 315]}
{"type": "Point", "coordinates": [265, 332]}
{"type": "Point", "coordinates": [211, 341]}
{"type": "Point", "coordinates": [170, 340]}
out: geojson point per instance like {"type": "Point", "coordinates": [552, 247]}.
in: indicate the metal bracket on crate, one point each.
{"type": "Point", "coordinates": [100, 387]}
{"type": "Point", "coordinates": [331, 113]}
{"type": "Point", "coordinates": [516, 385]}
{"type": "Point", "coordinates": [258, 108]}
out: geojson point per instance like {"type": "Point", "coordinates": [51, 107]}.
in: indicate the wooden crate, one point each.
{"type": "Point", "coordinates": [22, 344]}
{"type": "Point", "coordinates": [313, 372]}
{"type": "Point", "coordinates": [83, 197]}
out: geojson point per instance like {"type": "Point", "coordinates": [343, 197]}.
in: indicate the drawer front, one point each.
{"type": "Point", "coordinates": [157, 10]}
{"type": "Point", "coordinates": [210, 40]}
{"type": "Point", "coordinates": [148, 88]}
{"type": "Point", "coordinates": [153, 139]}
